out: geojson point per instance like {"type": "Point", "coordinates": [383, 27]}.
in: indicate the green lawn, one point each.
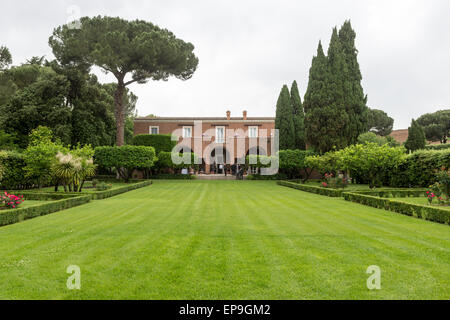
{"type": "Point", "coordinates": [224, 240]}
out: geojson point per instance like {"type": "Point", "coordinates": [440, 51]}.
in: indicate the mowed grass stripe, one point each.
{"type": "Point", "coordinates": [224, 240]}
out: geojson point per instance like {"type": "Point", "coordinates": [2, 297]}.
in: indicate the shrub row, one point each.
{"type": "Point", "coordinates": [45, 196]}
{"type": "Point", "coordinates": [393, 193]}
{"type": "Point", "coordinates": [17, 215]}
{"type": "Point", "coordinates": [312, 189]}
{"type": "Point", "coordinates": [169, 176]}
{"type": "Point", "coordinates": [419, 211]}
{"type": "Point", "coordinates": [438, 146]}
{"type": "Point", "coordinates": [419, 170]}
{"type": "Point", "coordinates": [278, 176]}
{"type": "Point", "coordinates": [98, 195]}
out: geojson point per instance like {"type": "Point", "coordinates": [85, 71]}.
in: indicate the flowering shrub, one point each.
{"type": "Point", "coordinates": [430, 197]}
{"type": "Point", "coordinates": [11, 201]}
{"type": "Point", "coordinates": [335, 182]}
{"type": "Point", "coordinates": [438, 191]}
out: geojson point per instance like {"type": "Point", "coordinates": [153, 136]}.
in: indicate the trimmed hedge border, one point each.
{"type": "Point", "coordinates": [97, 195]}
{"type": "Point", "coordinates": [114, 192]}
{"type": "Point", "coordinates": [17, 215]}
{"type": "Point", "coordinates": [415, 210]}
{"type": "Point", "coordinates": [312, 189]}
{"type": "Point", "coordinates": [393, 193]}
{"type": "Point", "coordinates": [62, 201]}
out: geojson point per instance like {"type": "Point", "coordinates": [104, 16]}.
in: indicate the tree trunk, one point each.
{"type": "Point", "coordinates": [119, 113]}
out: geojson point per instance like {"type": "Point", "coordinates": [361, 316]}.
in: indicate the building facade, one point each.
{"type": "Point", "coordinates": [218, 142]}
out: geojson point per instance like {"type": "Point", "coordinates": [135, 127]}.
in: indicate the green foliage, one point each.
{"type": "Point", "coordinates": [40, 100]}
{"type": "Point", "coordinates": [370, 137]}
{"type": "Point", "coordinates": [67, 99]}
{"type": "Point", "coordinates": [125, 159]}
{"type": "Point", "coordinates": [12, 165]}
{"type": "Point", "coordinates": [327, 163]}
{"type": "Point", "coordinates": [5, 57]}
{"type": "Point", "coordinates": [436, 125]}
{"type": "Point", "coordinates": [122, 47]}
{"type": "Point", "coordinates": [438, 147]}
{"type": "Point", "coordinates": [161, 142]}
{"type": "Point", "coordinates": [298, 118]}
{"type": "Point", "coordinates": [335, 104]}
{"type": "Point", "coordinates": [7, 141]}
{"type": "Point", "coordinates": [416, 137]}
{"type": "Point", "coordinates": [293, 164]}
{"type": "Point", "coordinates": [165, 162]}
{"type": "Point", "coordinates": [369, 162]}
{"type": "Point", "coordinates": [40, 156]}
{"type": "Point", "coordinates": [284, 120]}
{"type": "Point", "coordinates": [379, 122]}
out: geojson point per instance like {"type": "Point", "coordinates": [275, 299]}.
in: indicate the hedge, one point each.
{"type": "Point", "coordinates": [312, 189]}
{"type": "Point", "coordinates": [161, 142]}
{"type": "Point", "coordinates": [419, 211]}
{"type": "Point", "coordinates": [169, 176]}
{"type": "Point", "coordinates": [278, 176]}
{"type": "Point", "coordinates": [114, 192]}
{"type": "Point", "coordinates": [419, 169]}
{"type": "Point", "coordinates": [125, 159]}
{"type": "Point", "coordinates": [438, 146]}
{"type": "Point", "coordinates": [17, 215]}
{"type": "Point", "coordinates": [393, 193]}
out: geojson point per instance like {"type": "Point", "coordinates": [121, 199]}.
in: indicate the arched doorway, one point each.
{"type": "Point", "coordinates": [256, 151]}
{"type": "Point", "coordinates": [220, 160]}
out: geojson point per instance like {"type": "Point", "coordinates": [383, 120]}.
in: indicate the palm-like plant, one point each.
{"type": "Point", "coordinates": [72, 171]}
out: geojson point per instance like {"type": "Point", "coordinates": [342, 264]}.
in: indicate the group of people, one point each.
{"type": "Point", "coordinates": [234, 169]}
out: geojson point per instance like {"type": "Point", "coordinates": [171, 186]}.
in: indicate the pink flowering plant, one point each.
{"type": "Point", "coordinates": [10, 201]}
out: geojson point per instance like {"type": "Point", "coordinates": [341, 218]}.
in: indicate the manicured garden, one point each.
{"type": "Point", "coordinates": [224, 240]}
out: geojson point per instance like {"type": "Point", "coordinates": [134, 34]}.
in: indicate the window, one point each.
{"type": "Point", "coordinates": [187, 132]}
{"type": "Point", "coordinates": [220, 134]}
{"type": "Point", "coordinates": [154, 130]}
{"type": "Point", "coordinates": [253, 132]}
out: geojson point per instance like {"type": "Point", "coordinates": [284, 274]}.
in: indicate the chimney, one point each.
{"type": "Point", "coordinates": [245, 114]}
{"type": "Point", "coordinates": [228, 115]}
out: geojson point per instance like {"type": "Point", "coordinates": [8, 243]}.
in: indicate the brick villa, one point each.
{"type": "Point", "coordinates": [219, 140]}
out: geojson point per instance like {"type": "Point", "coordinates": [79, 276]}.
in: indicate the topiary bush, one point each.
{"type": "Point", "coordinates": [125, 159]}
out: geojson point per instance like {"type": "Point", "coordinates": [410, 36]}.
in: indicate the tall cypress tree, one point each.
{"type": "Point", "coordinates": [355, 100]}
{"type": "Point", "coordinates": [284, 121]}
{"type": "Point", "coordinates": [416, 137]}
{"type": "Point", "coordinates": [298, 117]}
{"type": "Point", "coordinates": [335, 105]}
{"type": "Point", "coordinates": [315, 101]}
{"type": "Point", "coordinates": [337, 83]}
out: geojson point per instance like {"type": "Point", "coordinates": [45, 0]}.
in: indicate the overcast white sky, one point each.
{"type": "Point", "coordinates": [249, 49]}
